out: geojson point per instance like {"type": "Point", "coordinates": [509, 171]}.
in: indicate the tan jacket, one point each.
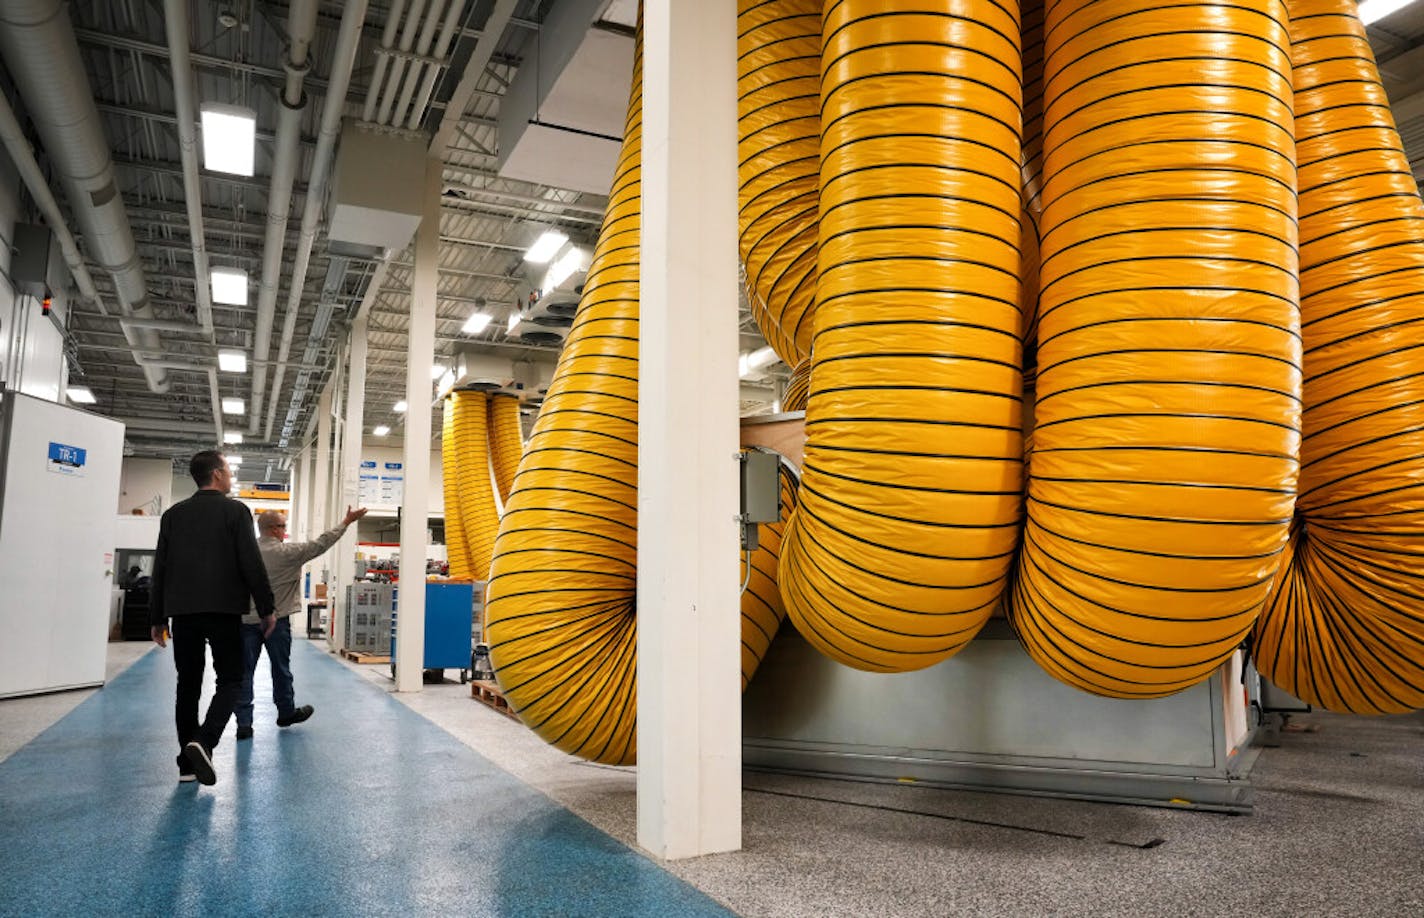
{"type": "Point", "coordinates": [284, 562]}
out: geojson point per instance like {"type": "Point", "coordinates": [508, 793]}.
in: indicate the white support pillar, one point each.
{"type": "Point", "coordinates": [344, 555]}
{"type": "Point", "coordinates": [415, 505]}
{"type": "Point", "coordinates": [301, 495]}
{"type": "Point", "coordinates": [320, 478]}
{"type": "Point", "coordinates": [689, 682]}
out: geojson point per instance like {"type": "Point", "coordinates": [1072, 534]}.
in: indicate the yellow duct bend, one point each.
{"type": "Point", "coordinates": [1344, 628]}
{"type": "Point", "coordinates": [798, 388]}
{"type": "Point", "coordinates": [778, 156]}
{"type": "Point", "coordinates": [506, 441]}
{"type": "Point", "coordinates": [457, 549]}
{"type": "Point", "coordinates": [910, 489]}
{"type": "Point", "coordinates": [1165, 440]}
{"type": "Point", "coordinates": [560, 601]}
{"type": "Point", "coordinates": [478, 518]}
{"type": "Point", "coordinates": [762, 608]}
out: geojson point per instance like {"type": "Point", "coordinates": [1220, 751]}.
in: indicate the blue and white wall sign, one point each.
{"type": "Point", "coordinates": [66, 460]}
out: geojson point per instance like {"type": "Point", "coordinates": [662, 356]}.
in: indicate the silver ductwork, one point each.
{"type": "Point", "coordinates": [40, 49]}
{"type": "Point", "coordinates": [347, 41]}
{"type": "Point", "coordinates": [301, 26]}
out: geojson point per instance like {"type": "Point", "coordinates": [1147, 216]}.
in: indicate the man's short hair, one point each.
{"type": "Point", "coordinates": [271, 519]}
{"type": "Point", "coordinates": [203, 466]}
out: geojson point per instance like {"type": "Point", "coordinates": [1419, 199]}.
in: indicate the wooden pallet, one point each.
{"type": "Point", "coordinates": [358, 656]}
{"type": "Point", "coordinates": [489, 693]}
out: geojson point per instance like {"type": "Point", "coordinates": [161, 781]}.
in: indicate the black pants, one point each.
{"type": "Point", "coordinates": [191, 633]}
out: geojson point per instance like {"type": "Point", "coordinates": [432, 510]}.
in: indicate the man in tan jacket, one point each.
{"type": "Point", "coordinates": [283, 561]}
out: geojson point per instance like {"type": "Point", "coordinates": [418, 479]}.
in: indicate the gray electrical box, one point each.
{"type": "Point", "coordinates": [760, 492]}
{"type": "Point", "coordinates": [30, 266]}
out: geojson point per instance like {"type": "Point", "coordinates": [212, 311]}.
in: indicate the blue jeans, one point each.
{"type": "Point", "coordinates": [279, 655]}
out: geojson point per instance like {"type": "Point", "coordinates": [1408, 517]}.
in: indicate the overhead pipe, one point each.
{"type": "Point", "coordinates": [40, 49]}
{"type": "Point", "coordinates": [165, 325]}
{"type": "Point", "coordinates": [348, 38]}
{"type": "Point", "coordinates": [24, 159]}
{"type": "Point", "coordinates": [301, 26]}
{"type": "Point", "coordinates": [432, 71]}
{"type": "Point", "coordinates": [175, 20]}
{"type": "Point", "coordinates": [407, 42]}
{"type": "Point", "coordinates": [422, 48]}
{"type": "Point", "coordinates": [383, 60]}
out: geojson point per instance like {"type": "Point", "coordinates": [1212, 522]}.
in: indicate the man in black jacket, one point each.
{"type": "Point", "coordinates": [206, 568]}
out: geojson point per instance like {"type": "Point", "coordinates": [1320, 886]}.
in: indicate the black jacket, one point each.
{"type": "Point", "coordinates": [207, 560]}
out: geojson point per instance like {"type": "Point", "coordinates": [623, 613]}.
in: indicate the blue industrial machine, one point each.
{"type": "Point", "coordinates": [448, 627]}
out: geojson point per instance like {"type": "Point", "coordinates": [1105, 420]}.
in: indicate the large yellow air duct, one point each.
{"type": "Point", "coordinates": [778, 156]}
{"type": "Point", "coordinates": [1344, 628]}
{"type": "Point", "coordinates": [506, 441]}
{"type": "Point", "coordinates": [560, 604]}
{"type": "Point", "coordinates": [457, 548]}
{"type": "Point", "coordinates": [1163, 471]}
{"type": "Point", "coordinates": [911, 483]}
{"type": "Point", "coordinates": [479, 520]}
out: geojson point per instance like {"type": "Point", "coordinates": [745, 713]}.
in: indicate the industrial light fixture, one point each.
{"type": "Point", "coordinates": [750, 363]}
{"type": "Point", "coordinates": [229, 286]}
{"type": "Point", "coordinates": [80, 395]}
{"type": "Point", "coordinates": [399, 406]}
{"type": "Point", "coordinates": [231, 436]}
{"type": "Point", "coordinates": [545, 247]}
{"type": "Point", "coordinates": [563, 268]}
{"type": "Point", "coordinates": [229, 138]}
{"type": "Point", "coordinates": [1375, 10]}
{"type": "Point", "coordinates": [233, 459]}
{"type": "Point", "coordinates": [232, 361]}
{"type": "Point", "coordinates": [477, 322]}
{"type": "Point", "coordinates": [381, 431]}
{"type": "Point", "coordinates": [233, 406]}
{"type": "Point", "coordinates": [514, 320]}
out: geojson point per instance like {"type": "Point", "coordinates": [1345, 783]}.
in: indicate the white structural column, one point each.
{"type": "Point", "coordinates": [415, 505]}
{"type": "Point", "coordinates": [344, 560]}
{"type": "Point", "coordinates": [319, 479]}
{"type": "Point", "coordinates": [689, 682]}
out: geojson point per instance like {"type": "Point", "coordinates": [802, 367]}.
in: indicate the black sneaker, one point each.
{"type": "Point", "coordinates": [244, 732]}
{"type": "Point", "coordinates": [185, 771]}
{"type": "Point", "coordinates": [297, 716]}
{"type": "Point", "coordinates": [201, 761]}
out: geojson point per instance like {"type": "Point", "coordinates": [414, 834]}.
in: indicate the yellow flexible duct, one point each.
{"type": "Point", "coordinates": [457, 549]}
{"type": "Point", "coordinates": [1163, 472]}
{"type": "Point", "coordinates": [910, 490]}
{"type": "Point", "coordinates": [778, 156]}
{"type": "Point", "coordinates": [506, 441]}
{"type": "Point", "coordinates": [560, 603]}
{"type": "Point", "coordinates": [479, 519]}
{"type": "Point", "coordinates": [1032, 32]}
{"type": "Point", "coordinates": [762, 608]}
{"type": "Point", "coordinates": [798, 388]}
{"type": "Point", "coordinates": [1344, 627]}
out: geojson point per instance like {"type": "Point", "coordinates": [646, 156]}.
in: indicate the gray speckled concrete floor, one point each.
{"type": "Point", "coordinates": [1338, 829]}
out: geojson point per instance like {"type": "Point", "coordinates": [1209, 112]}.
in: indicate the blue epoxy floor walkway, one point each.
{"type": "Point", "coordinates": [367, 809]}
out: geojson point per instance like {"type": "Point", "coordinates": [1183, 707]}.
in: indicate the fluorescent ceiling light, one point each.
{"type": "Point", "coordinates": [399, 406]}
{"type": "Point", "coordinates": [477, 322]}
{"type": "Point", "coordinates": [232, 361]}
{"type": "Point", "coordinates": [233, 459]}
{"type": "Point", "coordinates": [80, 395]}
{"type": "Point", "coordinates": [561, 270]}
{"type": "Point", "coordinates": [229, 138]}
{"type": "Point", "coordinates": [514, 320]}
{"type": "Point", "coordinates": [381, 431]}
{"type": "Point", "coordinates": [1375, 10]}
{"type": "Point", "coordinates": [231, 436]}
{"type": "Point", "coordinates": [229, 286]}
{"type": "Point", "coordinates": [545, 246]}
{"type": "Point", "coordinates": [233, 406]}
